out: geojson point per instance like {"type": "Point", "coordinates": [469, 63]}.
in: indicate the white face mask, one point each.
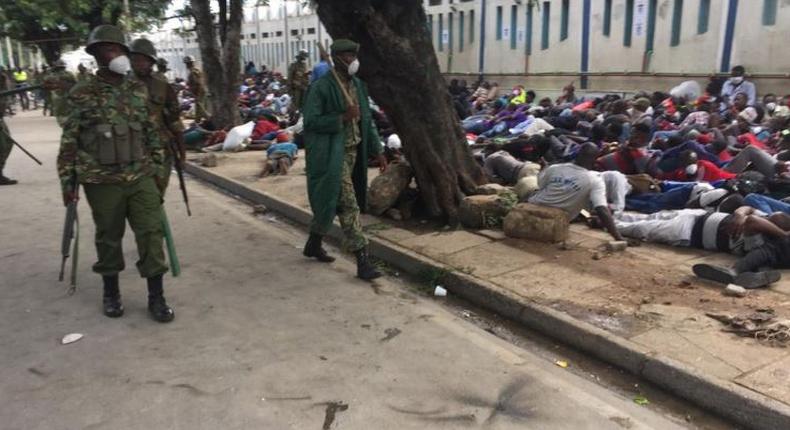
{"type": "Point", "coordinates": [353, 68]}
{"type": "Point", "coordinates": [770, 107]}
{"type": "Point", "coordinates": [736, 80]}
{"type": "Point", "coordinates": [120, 65]}
{"type": "Point", "coordinates": [691, 169]}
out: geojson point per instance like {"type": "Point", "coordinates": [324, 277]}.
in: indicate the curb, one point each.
{"type": "Point", "coordinates": [724, 398]}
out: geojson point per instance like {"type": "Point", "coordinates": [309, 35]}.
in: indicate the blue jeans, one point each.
{"type": "Point", "coordinates": [675, 196]}
{"type": "Point", "coordinates": [766, 204]}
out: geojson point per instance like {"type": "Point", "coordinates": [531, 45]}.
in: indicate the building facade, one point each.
{"type": "Point", "coordinates": [599, 45]}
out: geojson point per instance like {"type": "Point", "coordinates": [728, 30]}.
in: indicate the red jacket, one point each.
{"type": "Point", "coordinates": [262, 128]}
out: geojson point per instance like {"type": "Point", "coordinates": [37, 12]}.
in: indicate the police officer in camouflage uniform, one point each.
{"type": "Point", "coordinates": [58, 82]}
{"type": "Point", "coordinates": [197, 87]}
{"type": "Point", "coordinates": [5, 140]}
{"type": "Point", "coordinates": [163, 105]}
{"type": "Point", "coordinates": [161, 69]}
{"type": "Point", "coordinates": [298, 80]}
{"type": "Point", "coordinates": [111, 147]}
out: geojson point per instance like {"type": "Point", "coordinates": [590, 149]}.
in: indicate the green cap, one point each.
{"type": "Point", "coordinates": [344, 45]}
{"type": "Point", "coordinates": [144, 47]}
{"type": "Point", "coordinates": [105, 34]}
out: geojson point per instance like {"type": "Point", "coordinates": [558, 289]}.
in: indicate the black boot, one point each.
{"type": "Point", "coordinates": [6, 181]}
{"type": "Point", "coordinates": [113, 307]}
{"type": "Point", "coordinates": [314, 249]}
{"type": "Point", "coordinates": [157, 306]}
{"type": "Point", "coordinates": [365, 270]}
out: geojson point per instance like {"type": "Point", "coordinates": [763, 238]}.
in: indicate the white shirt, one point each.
{"type": "Point", "coordinates": [570, 187]}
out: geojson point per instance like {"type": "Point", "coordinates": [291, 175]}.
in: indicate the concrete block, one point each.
{"type": "Point", "coordinates": [210, 160]}
{"type": "Point", "coordinates": [541, 223]}
{"type": "Point", "coordinates": [385, 189]}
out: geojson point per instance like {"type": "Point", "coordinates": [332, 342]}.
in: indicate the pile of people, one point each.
{"type": "Point", "coordinates": [696, 168]}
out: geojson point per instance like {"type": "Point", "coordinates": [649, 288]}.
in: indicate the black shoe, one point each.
{"type": "Point", "coordinates": [313, 249]}
{"type": "Point", "coordinates": [718, 274]}
{"type": "Point", "coordinates": [113, 307]}
{"type": "Point", "coordinates": [159, 310]}
{"type": "Point", "coordinates": [751, 280]}
{"type": "Point", "coordinates": [6, 181]}
{"type": "Point", "coordinates": [365, 270]}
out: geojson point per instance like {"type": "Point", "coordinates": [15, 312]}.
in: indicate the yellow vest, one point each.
{"type": "Point", "coordinates": [20, 76]}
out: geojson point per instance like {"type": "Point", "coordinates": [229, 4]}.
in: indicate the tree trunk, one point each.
{"type": "Point", "coordinates": [220, 65]}
{"type": "Point", "coordinates": [398, 63]}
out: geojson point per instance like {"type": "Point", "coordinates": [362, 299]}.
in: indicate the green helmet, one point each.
{"type": "Point", "coordinates": [105, 34]}
{"type": "Point", "coordinates": [143, 46]}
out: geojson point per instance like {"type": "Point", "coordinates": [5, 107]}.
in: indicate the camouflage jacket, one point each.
{"type": "Point", "coordinates": [195, 82]}
{"type": "Point", "coordinates": [164, 110]}
{"type": "Point", "coordinates": [297, 75]}
{"type": "Point", "coordinates": [62, 81]}
{"type": "Point", "coordinates": [108, 136]}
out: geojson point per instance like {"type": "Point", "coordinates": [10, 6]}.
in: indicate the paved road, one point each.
{"type": "Point", "coordinates": [262, 338]}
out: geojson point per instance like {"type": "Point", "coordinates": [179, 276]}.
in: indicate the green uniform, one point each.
{"type": "Point", "coordinates": [164, 111]}
{"type": "Point", "coordinates": [63, 80]}
{"type": "Point", "coordinates": [298, 80]}
{"type": "Point", "coordinates": [198, 88]}
{"type": "Point", "coordinates": [337, 155]}
{"type": "Point", "coordinates": [114, 150]}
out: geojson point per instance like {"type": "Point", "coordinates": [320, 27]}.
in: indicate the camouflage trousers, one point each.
{"type": "Point", "coordinates": [5, 144]}
{"type": "Point", "coordinates": [347, 207]}
{"type": "Point", "coordinates": [112, 205]}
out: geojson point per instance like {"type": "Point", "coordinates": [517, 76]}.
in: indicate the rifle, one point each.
{"type": "Point", "coordinates": [22, 148]}
{"type": "Point", "coordinates": [71, 230]}
{"type": "Point", "coordinates": [174, 148]}
{"type": "Point", "coordinates": [22, 89]}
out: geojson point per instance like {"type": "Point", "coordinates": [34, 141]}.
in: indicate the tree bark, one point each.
{"type": "Point", "coordinates": [398, 63]}
{"type": "Point", "coordinates": [220, 64]}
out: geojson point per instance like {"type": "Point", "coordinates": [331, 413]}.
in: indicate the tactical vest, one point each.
{"type": "Point", "coordinates": [114, 142]}
{"type": "Point", "coordinates": [120, 143]}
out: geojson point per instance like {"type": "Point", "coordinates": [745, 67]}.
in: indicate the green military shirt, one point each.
{"type": "Point", "coordinates": [108, 136]}
{"type": "Point", "coordinates": [62, 81]}
{"type": "Point", "coordinates": [297, 75]}
{"type": "Point", "coordinates": [163, 108]}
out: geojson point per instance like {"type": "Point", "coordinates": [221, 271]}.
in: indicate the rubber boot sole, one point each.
{"type": "Point", "coordinates": [718, 274]}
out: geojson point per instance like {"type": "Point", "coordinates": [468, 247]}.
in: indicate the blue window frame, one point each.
{"type": "Point", "coordinates": [544, 36]}
{"type": "Point", "coordinates": [471, 27]}
{"type": "Point", "coordinates": [564, 19]}
{"type": "Point", "coordinates": [769, 12]}
{"type": "Point", "coordinates": [499, 23]}
{"type": "Point", "coordinates": [528, 47]}
{"type": "Point", "coordinates": [513, 21]}
{"type": "Point", "coordinates": [461, 31]}
{"type": "Point", "coordinates": [677, 19]}
{"type": "Point", "coordinates": [450, 32]}
{"type": "Point", "coordinates": [704, 16]}
{"type": "Point", "coordinates": [629, 22]}
{"type": "Point", "coordinates": [607, 18]}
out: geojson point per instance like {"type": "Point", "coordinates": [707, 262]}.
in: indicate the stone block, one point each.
{"type": "Point", "coordinates": [385, 189]}
{"type": "Point", "coordinates": [482, 211]}
{"type": "Point", "coordinates": [541, 223]}
{"type": "Point", "coordinates": [490, 189]}
{"type": "Point", "coordinates": [210, 160]}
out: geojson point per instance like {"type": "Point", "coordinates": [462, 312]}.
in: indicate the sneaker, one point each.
{"type": "Point", "coordinates": [718, 274]}
{"type": "Point", "coordinates": [751, 280]}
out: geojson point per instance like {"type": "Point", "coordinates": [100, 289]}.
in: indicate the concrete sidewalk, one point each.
{"type": "Point", "coordinates": [640, 309]}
